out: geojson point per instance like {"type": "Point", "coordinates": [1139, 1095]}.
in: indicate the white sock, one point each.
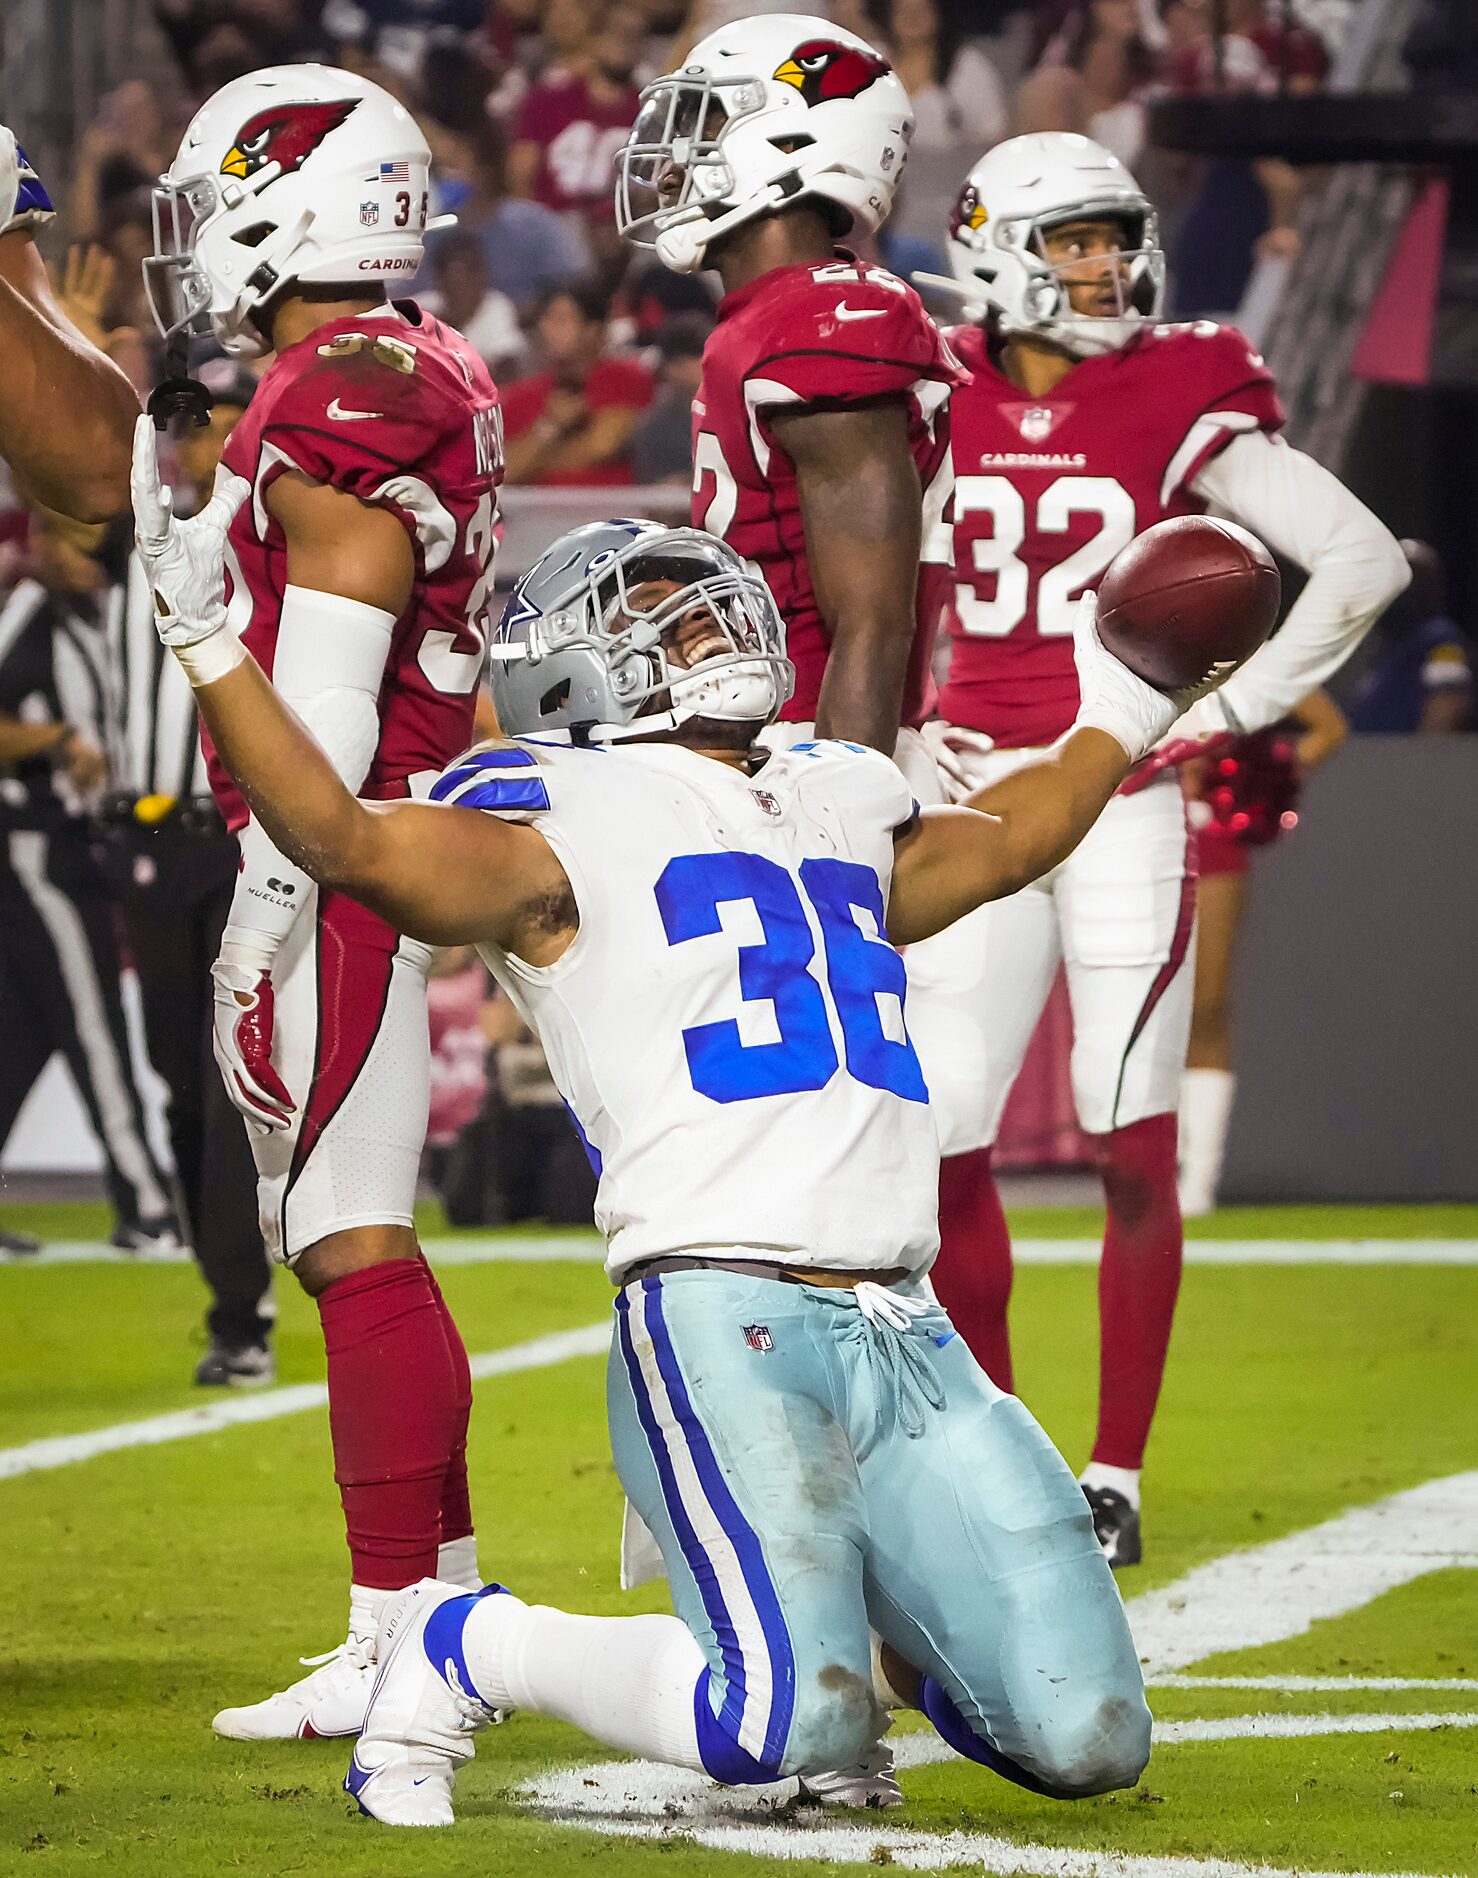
{"type": "Point", "coordinates": [1205, 1109]}
{"type": "Point", "coordinates": [456, 1563]}
{"type": "Point", "coordinates": [626, 1680]}
{"type": "Point", "coordinates": [1125, 1480]}
{"type": "Point", "coordinates": [365, 1608]}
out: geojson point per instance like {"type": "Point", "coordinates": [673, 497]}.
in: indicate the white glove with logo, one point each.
{"type": "Point", "coordinates": [1114, 699]}
{"type": "Point", "coordinates": [242, 1039]}
{"type": "Point", "coordinates": [185, 561]}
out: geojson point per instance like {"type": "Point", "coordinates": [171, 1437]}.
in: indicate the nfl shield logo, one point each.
{"type": "Point", "coordinates": [369, 213]}
{"type": "Point", "coordinates": [1036, 424]}
{"type": "Point", "coordinates": [766, 801]}
{"type": "Point", "coordinates": [758, 1337]}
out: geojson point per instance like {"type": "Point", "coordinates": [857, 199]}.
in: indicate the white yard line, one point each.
{"type": "Point", "coordinates": [268, 1404]}
{"type": "Point", "coordinates": [1279, 1590]}
{"type": "Point", "coordinates": [584, 1247]}
{"type": "Point", "coordinates": [636, 1800]}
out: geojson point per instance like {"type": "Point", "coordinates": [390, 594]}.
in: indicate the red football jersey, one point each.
{"type": "Point", "coordinates": [833, 334]}
{"type": "Point", "coordinates": [401, 413]}
{"type": "Point", "coordinates": [1047, 491]}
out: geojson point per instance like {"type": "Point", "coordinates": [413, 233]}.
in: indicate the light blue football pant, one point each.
{"type": "Point", "coordinates": [808, 1473]}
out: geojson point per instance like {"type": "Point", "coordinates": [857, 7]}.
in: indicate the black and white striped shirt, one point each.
{"type": "Point", "coordinates": [158, 733]}
{"type": "Point", "coordinates": [55, 667]}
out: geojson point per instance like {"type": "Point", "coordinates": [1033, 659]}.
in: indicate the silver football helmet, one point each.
{"type": "Point", "coordinates": [581, 649]}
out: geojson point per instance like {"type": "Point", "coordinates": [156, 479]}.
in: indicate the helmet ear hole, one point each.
{"type": "Point", "coordinates": [254, 236]}
{"type": "Point", "coordinates": [555, 698]}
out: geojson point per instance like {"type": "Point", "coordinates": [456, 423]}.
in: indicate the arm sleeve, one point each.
{"type": "Point", "coordinates": [1354, 565]}
{"type": "Point", "coordinates": [328, 667]}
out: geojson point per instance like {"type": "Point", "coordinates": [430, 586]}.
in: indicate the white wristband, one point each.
{"type": "Point", "coordinates": [211, 658]}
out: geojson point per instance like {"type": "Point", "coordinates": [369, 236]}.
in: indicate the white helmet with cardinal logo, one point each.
{"type": "Point", "coordinates": [762, 114]}
{"type": "Point", "coordinates": [300, 173]}
{"type": "Point", "coordinates": [1017, 192]}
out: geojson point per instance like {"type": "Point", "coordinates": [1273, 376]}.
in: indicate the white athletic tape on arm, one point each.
{"type": "Point", "coordinates": [209, 659]}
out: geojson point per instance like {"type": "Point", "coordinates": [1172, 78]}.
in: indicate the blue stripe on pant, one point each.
{"type": "Point", "coordinates": [857, 1473]}
{"type": "Point", "coordinates": [721, 1734]}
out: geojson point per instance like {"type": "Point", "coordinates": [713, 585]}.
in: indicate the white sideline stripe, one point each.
{"type": "Point", "coordinates": [1285, 1727]}
{"type": "Point", "coordinates": [1310, 1685]}
{"type": "Point", "coordinates": [587, 1248]}
{"type": "Point", "coordinates": [62, 1450]}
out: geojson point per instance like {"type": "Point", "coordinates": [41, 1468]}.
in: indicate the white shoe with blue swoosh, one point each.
{"type": "Point", "coordinates": [423, 1711]}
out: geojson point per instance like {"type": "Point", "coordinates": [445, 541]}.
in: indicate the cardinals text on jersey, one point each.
{"type": "Point", "coordinates": [1048, 490]}
{"type": "Point", "coordinates": [837, 333]}
{"type": "Point", "coordinates": [727, 1025]}
{"type": "Point", "coordinates": [401, 413]}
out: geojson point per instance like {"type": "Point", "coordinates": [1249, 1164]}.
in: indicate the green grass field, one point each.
{"type": "Point", "coordinates": [150, 1586]}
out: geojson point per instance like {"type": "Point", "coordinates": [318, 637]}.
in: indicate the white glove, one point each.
{"type": "Point", "coordinates": [10, 177]}
{"type": "Point", "coordinates": [185, 561]}
{"type": "Point", "coordinates": [1116, 700]}
{"type": "Point", "coordinates": [951, 746]}
{"type": "Point", "coordinates": [242, 1041]}
{"type": "Point", "coordinates": [1206, 730]}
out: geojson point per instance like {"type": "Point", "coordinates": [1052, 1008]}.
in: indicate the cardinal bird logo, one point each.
{"type": "Point", "coordinates": [823, 69]}
{"type": "Point", "coordinates": [969, 211]}
{"type": "Point", "coordinates": [285, 134]}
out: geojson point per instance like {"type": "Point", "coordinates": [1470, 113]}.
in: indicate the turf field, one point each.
{"type": "Point", "coordinates": [1315, 1683]}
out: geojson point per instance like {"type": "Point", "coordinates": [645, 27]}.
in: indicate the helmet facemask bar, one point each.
{"type": "Point", "coordinates": [678, 140]}
{"type": "Point", "coordinates": [177, 287]}
{"type": "Point", "coordinates": [1137, 273]}
{"type": "Point", "coordinates": [647, 692]}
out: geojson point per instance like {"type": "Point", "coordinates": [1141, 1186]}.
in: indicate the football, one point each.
{"type": "Point", "coordinates": [1186, 599]}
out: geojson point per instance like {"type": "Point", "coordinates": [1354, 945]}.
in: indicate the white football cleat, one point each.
{"type": "Point", "coordinates": [869, 1782]}
{"type": "Point", "coordinates": [328, 1703]}
{"type": "Point", "coordinates": [422, 1713]}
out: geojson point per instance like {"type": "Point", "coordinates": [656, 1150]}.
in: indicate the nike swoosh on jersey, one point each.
{"type": "Point", "coordinates": [337, 410]}
{"type": "Point", "coordinates": [845, 312]}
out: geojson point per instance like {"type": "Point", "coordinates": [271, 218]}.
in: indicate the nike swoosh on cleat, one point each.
{"type": "Point", "coordinates": [845, 312]}
{"type": "Point", "coordinates": [337, 410]}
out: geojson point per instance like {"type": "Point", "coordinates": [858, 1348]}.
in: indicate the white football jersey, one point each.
{"type": "Point", "coordinates": [727, 1026]}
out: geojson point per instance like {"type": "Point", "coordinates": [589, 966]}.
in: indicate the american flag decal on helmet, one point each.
{"type": "Point", "coordinates": [758, 1337]}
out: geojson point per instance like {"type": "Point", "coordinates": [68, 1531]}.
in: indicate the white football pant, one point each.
{"type": "Point", "coordinates": [1119, 913]}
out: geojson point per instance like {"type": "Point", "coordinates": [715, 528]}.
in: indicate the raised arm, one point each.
{"type": "Point", "coordinates": [66, 411]}
{"type": "Point", "coordinates": [446, 876]}
{"type": "Point", "coordinates": [1004, 837]}
{"type": "Point", "coordinates": [862, 508]}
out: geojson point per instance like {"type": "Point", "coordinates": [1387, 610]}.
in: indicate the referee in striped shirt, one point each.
{"type": "Point", "coordinates": [179, 872]}
{"type": "Point", "coordinates": [60, 967]}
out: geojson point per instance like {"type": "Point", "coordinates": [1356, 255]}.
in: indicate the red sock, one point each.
{"type": "Point", "coordinates": [1137, 1283]}
{"type": "Point", "coordinates": [456, 1500]}
{"type": "Point", "coordinates": [393, 1415]}
{"type": "Point", "coordinates": [972, 1274]}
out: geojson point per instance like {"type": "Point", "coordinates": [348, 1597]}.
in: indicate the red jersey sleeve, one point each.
{"type": "Point", "coordinates": [843, 333]}
{"type": "Point", "coordinates": [1220, 381]}
{"type": "Point", "coordinates": [365, 417]}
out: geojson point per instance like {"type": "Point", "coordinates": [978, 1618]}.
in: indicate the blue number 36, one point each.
{"type": "Point", "coordinates": [859, 971]}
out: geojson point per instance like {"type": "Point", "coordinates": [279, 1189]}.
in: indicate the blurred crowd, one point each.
{"type": "Point", "coordinates": [525, 102]}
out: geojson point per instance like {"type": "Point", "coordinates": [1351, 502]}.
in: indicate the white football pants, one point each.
{"type": "Point", "coordinates": [1119, 911]}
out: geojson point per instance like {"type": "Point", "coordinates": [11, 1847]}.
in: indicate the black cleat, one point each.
{"type": "Point", "coordinates": [19, 1244]}
{"type": "Point", "coordinates": [236, 1366]}
{"type": "Point", "coordinates": [1115, 1526]}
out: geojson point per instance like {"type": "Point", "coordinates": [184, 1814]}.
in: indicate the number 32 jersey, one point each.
{"type": "Point", "coordinates": [399, 411]}
{"type": "Point", "coordinates": [834, 335]}
{"type": "Point", "coordinates": [727, 1025]}
{"type": "Point", "coordinates": [1048, 490]}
